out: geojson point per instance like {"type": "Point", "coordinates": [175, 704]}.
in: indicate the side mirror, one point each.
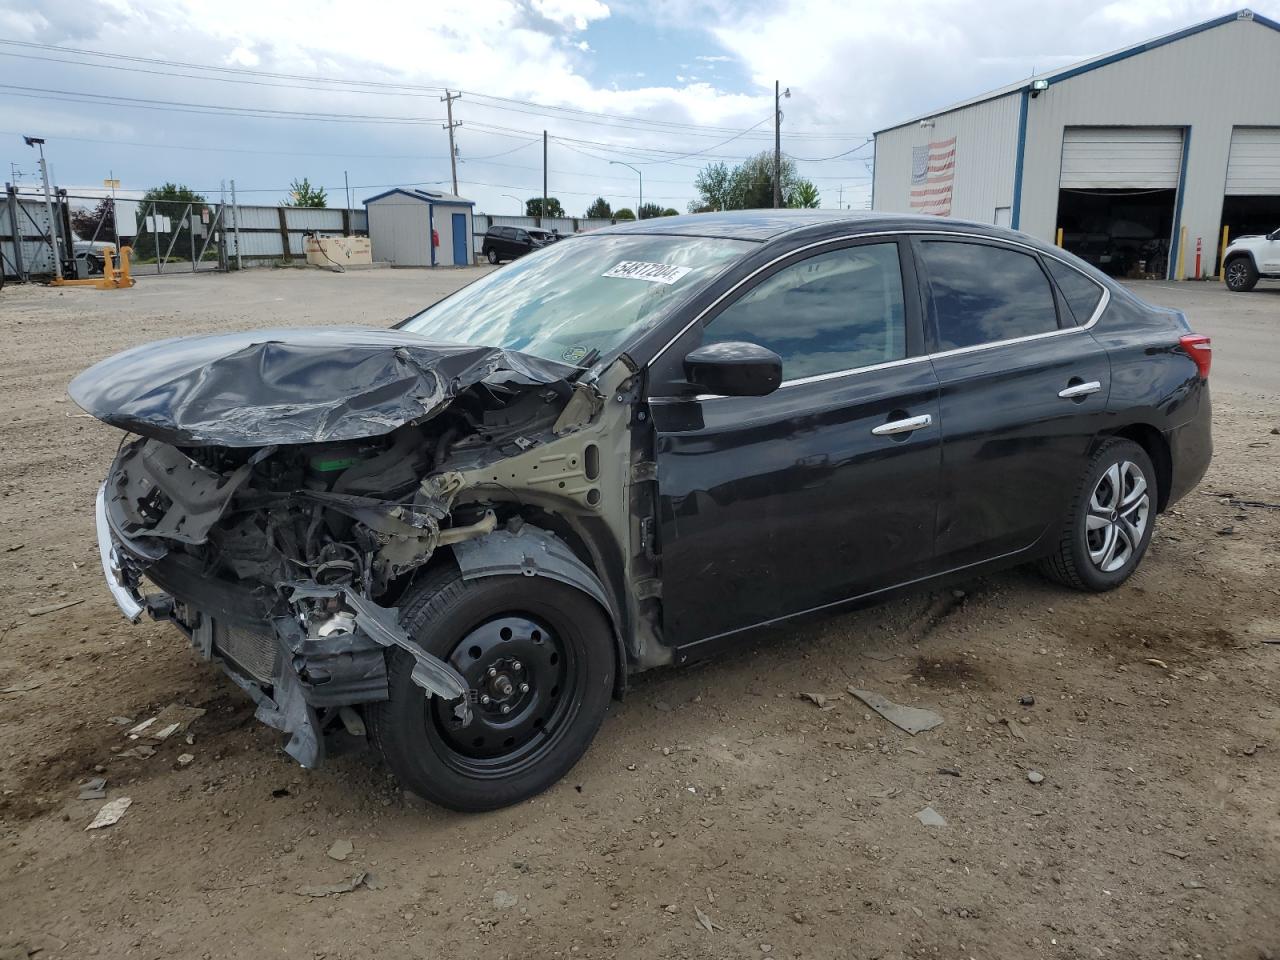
{"type": "Point", "coordinates": [1274, 235]}
{"type": "Point", "coordinates": [734, 369]}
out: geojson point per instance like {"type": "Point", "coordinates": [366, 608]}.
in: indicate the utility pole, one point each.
{"type": "Point", "coordinates": [448, 99]}
{"type": "Point", "coordinates": [38, 143]}
{"type": "Point", "coordinates": [777, 145]}
{"type": "Point", "coordinates": [235, 221]}
{"type": "Point", "coordinates": [347, 184]}
{"type": "Point", "coordinates": [543, 211]}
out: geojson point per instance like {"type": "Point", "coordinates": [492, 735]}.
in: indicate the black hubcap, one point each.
{"type": "Point", "coordinates": [519, 677]}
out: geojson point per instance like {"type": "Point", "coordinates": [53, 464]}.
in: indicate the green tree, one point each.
{"type": "Point", "coordinates": [167, 201]}
{"type": "Point", "coordinates": [803, 194]}
{"type": "Point", "coordinates": [749, 186]}
{"type": "Point", "coordinates": [533, 207]}
{"type": "Point", "coordinates": [96, 224]}
{"type": "Point", "coordinates": [650, 210]}
{"type": "Point", "coordinates": [303, 194]}
{"type": "Point", "coordinates": [713, 185]}
{"type": "Point", "coordinates": [625, 213]}
{"type": "Point", "coordinates": [599, 209]}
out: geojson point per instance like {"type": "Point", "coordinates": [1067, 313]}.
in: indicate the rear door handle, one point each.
{"type": "Point", "coordinates": [1080, 390]}
{"type": "Point", "coordinates": [903, 426]}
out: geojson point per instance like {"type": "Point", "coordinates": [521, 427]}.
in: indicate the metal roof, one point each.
{"type": "Point", "coordinates": [1084, 66]}
{"type": "Point", "coordinates": [426, 196]}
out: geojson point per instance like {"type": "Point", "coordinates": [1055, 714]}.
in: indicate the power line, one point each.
{"type": "Point", "coordinates": [371, 87]}
{"type": "Point", "coordinates": [178, 106]}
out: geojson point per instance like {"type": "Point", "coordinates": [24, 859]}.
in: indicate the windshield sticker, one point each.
{"type": "Point", "coordinates": [574, 354]}
{"type": "Point", "coordinates": [652, 272]}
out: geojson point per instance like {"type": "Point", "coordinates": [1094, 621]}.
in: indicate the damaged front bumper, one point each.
{"type": "Point", "coordinates": [300, 655]}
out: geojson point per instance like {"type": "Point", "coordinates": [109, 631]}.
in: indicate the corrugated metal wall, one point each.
{"type": "Point", "coordinates": [1209, 82]}
{"type": "Point", "coordinates": [260, 228]}
{"type": "Point", "coordinates": [400, 230]}
{"type": "Point", "coordinates": [32, 219]}
{"type": "Point", "coordinates": [986, 145]}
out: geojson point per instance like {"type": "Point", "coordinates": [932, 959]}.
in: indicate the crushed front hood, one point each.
{"type": "Point", "coordinates": [309, 385]}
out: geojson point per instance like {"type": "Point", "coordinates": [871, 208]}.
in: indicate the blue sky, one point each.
{"type": "Point", "coordinates": [661, 85]}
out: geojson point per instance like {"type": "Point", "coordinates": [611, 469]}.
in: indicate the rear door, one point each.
{"type": "Point", "coordinates": [1023, 393]}
{"type": "Point", "coordinates": [822, 491]}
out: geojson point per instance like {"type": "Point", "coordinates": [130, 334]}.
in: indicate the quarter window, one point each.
{"type": "Point", "coordinates": [835, 311]}
{"type": "Point", "coordinates": [983, 294]}
{"type": "Point", "coordinates": [1081, 293]}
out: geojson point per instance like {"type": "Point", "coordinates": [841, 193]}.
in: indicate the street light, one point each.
{"type": "Point", "coordinates": [38, 143]}
{"type": "Point", "coordinates": [517, 200]}
{"type": "Point", "coordinates": [639, 206]}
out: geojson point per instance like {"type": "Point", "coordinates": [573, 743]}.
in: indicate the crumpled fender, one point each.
{"type": "Point", "coordinates": [533, 552]}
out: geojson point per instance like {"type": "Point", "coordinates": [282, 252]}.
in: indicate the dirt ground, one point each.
{"type": "Point", "coordinates": [716, 791]}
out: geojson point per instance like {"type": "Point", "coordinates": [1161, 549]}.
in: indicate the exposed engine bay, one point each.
{"type": "Point", "coordinates": [284, 560]}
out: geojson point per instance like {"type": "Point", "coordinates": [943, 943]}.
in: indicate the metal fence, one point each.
{"type": "Point", "coordinates": [171, 236]}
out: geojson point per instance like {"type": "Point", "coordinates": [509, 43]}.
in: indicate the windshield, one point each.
{"type": "Point", "coordinates": [585, 294]}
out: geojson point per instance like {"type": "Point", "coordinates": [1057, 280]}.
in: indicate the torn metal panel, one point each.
{"type": "Point", "coordinates": [292, 386]}
{"type": "Point", "coordinates": [911, 719]}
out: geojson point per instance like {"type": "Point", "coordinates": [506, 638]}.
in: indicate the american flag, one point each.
{"type": "Point", "coordinates": [933, 168]}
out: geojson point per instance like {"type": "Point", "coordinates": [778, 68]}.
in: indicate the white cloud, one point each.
{"type": "Point", "coordinates": [715, 59]}
{"type": "Point", "coordinates": [575, 14]}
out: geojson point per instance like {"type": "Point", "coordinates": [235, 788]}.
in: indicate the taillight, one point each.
{"type": "Point", "coordinates": [1198, 348]}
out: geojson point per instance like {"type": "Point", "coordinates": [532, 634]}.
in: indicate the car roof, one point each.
{"type": "Point", "coordinates": [764, 225]}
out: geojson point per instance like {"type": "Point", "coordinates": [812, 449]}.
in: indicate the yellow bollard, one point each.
{"type": "Point", "coordinates": [1182, 253]}
{"type": "Point", "coordinates": [1058, 240]}
{"type": "Point", "coordinates": [1222, 254]}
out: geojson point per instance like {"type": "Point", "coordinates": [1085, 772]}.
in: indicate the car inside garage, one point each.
{"type": "Point", "coordinates": [1251, 205]}
{"type": "Point", "coordinates": [1118, 195]}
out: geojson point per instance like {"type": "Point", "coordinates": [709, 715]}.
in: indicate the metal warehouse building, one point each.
{"type": "Point", "coordinates": [420, 228]}
{"type": "Point", "coordinates": [1122, 156]}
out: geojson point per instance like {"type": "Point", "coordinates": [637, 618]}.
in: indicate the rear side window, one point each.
{"type": "Point", "coordinates": [983, 294]}
{"type": "Point", "coordinates": [1081, 293]}
{"type": "Point", "coordinates": [831, 312]}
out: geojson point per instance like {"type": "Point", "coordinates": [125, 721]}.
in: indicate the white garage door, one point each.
{"type": "Point", "coordinates": [1105, 158]}
{"type": "Point", "coordinates": [1254, 167]}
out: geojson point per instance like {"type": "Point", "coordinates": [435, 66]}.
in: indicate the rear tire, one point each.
{"type": "Point", "coordinates": [1241, 275]}
{"type": "Point", "coordinates": [537, 647]}
{"type": "Point", "coordinates": [492, 256]}
{"type": "Point", "coordinates": [1109, 524]}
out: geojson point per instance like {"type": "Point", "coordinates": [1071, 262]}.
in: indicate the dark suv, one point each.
{"type": "Point", "coordinates": [629, 450]}
{"type": "Point", "coordinates": [508, 243]}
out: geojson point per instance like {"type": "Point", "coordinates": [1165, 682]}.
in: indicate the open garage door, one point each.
{"type": "Point", "coordinates": [1117, 196]}
{"type": "Point", "coordinates": [1252, 201]}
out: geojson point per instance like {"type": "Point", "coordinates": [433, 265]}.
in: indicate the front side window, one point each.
{"type": "Point", "coordinates": [835, 311]}
{"type": "Point", "coordinates": [1081, 293]}
{"type": "Point", "coordinates": [983, 294]}
{"type": "Point", "coordinates": [583, 294]}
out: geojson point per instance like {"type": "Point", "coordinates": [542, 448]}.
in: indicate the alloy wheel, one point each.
{"type": "Point", "coordinates": [1237, 274]}
{"type": "Point", "coordinates": [1119, 511]}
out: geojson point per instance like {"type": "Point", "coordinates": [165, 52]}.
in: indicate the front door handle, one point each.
{"type": "Point", "coordinates": [902, 426]}
{"type": "Point", "coordinates": [1080, 390]}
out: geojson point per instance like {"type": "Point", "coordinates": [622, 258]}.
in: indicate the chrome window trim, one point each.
{"type": "Point", "coordinates": [1097, 312]}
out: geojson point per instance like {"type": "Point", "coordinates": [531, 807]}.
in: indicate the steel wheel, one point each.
{"type": "Point", "coordinates": [1119, 510]}
{"type": "Point", "coordinates": [520, 673]}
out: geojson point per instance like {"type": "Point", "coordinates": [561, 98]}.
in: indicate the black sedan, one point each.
{"type": "Point", "coordinates": [630, 449]}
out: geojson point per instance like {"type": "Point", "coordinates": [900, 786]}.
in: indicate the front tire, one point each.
{"type": "Point", "coordinates": [539, 660]}
{"type": "Point", "coordinates": [1109, 525]}
{"type": "Point", "coordinates": [492, 256]}
{"type": "Point", "coordinates": [1241, 275]}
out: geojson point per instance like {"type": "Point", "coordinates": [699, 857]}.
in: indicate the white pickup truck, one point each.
{"type": "Point", "coordinates": [1249, 258]}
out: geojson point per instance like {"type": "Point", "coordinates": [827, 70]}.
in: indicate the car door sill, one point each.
{"type": "Point", "coordinates": [697, 649]}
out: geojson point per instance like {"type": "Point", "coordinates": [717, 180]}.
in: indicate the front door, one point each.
{"type": "Point", "coordinates": [461, 242]}
{"type": "Point", "coordinates": [1023, 394]}
{"type": "Point", "coordinates": [822, 491]}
